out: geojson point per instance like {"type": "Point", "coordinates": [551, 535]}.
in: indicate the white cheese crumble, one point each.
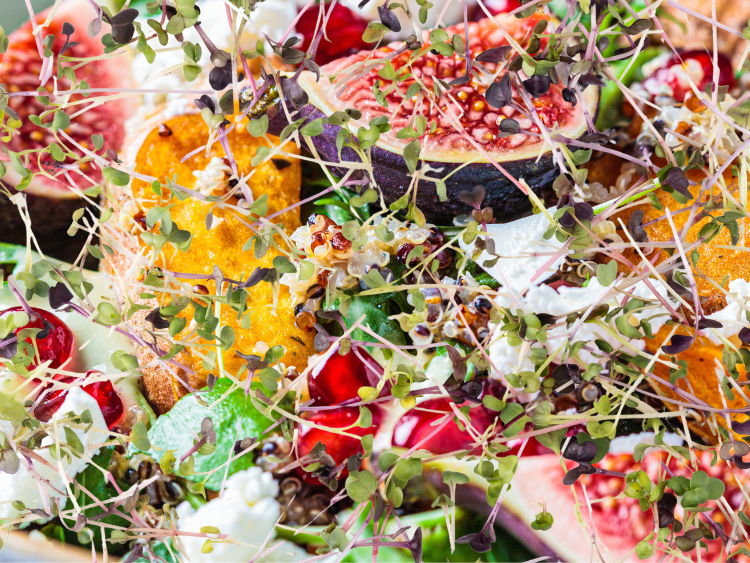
{"type": "Point", "coordinates": [22, 486]}
{"type": "Point", "coordinates": [247, 511]}
{"type": "Point", "coordinates": [518, 243]}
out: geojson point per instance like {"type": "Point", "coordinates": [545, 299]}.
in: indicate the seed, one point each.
{"type": "Point", "coordinates": [403, 253]}
{"type": "Point", "coordinates": [164, 130]}
{"type": "Point", "coordinates": [444, 259]}
{"type": "Point", "coordinates": [478, 105]}
{"type": "Point", "coordinates": [483, 305]}
{"type": "Point", "coordinates": [305, 321]}
{"type": "Point", "coordinates": [299, 308]}
{"type": "Point", "coordinates": [589, 392]}
{"type": "Point", "coordinates": [37, 136]}
{"type": "Point", "coordinates": [200, 288]}
{"type": "Point", "coordinates": [436, 237]}
{"type": "Point", "coordinates": [694, 103]}
{"type": "Point", "coordinates": [315, 292]}
{"type": "Point", "coordinates": [339, 242]}
{"type": "Point", "coordinates": [422, 330]}
{"type": "Point", "coordinates": [462, 96]}
{"type": "Point", "coordinates": [323, 276]}
{"type": "Point", "coordinates": [318, 239]}
{"type": "Point", "coordinates": [140, 218]}
{"type": "Point", "coordinates": [322, 223]}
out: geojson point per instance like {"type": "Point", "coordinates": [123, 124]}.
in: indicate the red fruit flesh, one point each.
{"type": "Point", "coordinates": [102, 391]}
{"type": "Point", "coordinates": [673, 76]}
{"type": "Point", "coordinates": [619, 523]}
{"type": "Point", "coordinates": [498, 7]}
{"type": "Point", "coordinates": [20, 68]}
{"type": "Point", "coordinates": [479, 119]}
{"type": "Point", "coordinates": [57, 346]}
{"type": "Point", "coordinates": [339, 377]}
{"type": "Point", "coordinates": [344, 32]}
{"type": "Point", "coordinates": [338, 446]}
{"type": "Point", "coordinates": [413, 429]}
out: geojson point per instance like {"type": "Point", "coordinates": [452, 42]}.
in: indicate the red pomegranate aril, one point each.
{"type": "Point", "coordinates": [666, 74]}
{"type": "Point", "coordinates": [338, 446]}
{"type": "Point", "coordinates": [57, 346]}
{"type": "Point", "coordinates": [344, 31]}
{"type": "Point", "coordinates": [413, 429]}
{"type": "Point", "coordinates": [340, 378]}
{"type": "Point", "coordinates": [103, 393]}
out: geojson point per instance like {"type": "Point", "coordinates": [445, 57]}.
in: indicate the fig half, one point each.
{"type": "Point", "coordinates": [463, 136]}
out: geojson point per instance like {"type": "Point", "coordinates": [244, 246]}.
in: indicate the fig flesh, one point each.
{"type": "Point", "coordinates": [462, 139]}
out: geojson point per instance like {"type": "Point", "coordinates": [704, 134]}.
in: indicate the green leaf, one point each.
{"type": "Point", "coordinates": [139, 435]}
{"type": "Point", "coordinates": [258, 127]}
{"type": "Point", "coordinates": [376, 309]}
{"type": "Point", "coordinates": [313, 129]}
{"type": "Point", "coordinates": [606, 273]}
{"type": "Point", "coordinates": [511, 411]}
{"type": "Point", "coordinates": [234, 418]}
{"type": "Point", "coordinates": [60, 121]}
{"type": "Point", "coordinates": [116, 177]}
{"type": "Point", "coordinates": [411, 155]}
{"type": "Point", "coordinates": [94, 481]}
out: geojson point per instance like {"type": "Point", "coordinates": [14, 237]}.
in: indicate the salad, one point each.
{"type": "Point", "coordinates": [365, 281]}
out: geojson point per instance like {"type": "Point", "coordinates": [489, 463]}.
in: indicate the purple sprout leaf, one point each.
{"type": "Point", "coordinates": [510, 126]}
{"type": "Point", "coordinates": [741, 427]}
{"type": "Point", "coordinates": [473, 197]}
{"type": "Point", "coordinates": [705, 323]}
{"type": "Point", "coordinates": [122, 25]}
{"type": "Point", "coordinates": [255, 278]}
{"type": "Point", "coordinates": [500, 94]}
{"type": "Point", "coordinates": [134, 555]}
{"type": "Point", "coordinates": [571, 476]}
{"type": "Point", "coordinates": [537, 86]}
{"type": "Point", "coordinates": [744, 335]}
{"type": "Point", "coordinates": [481, 541]}
{"type": "Point", "coordinates": [458, 361]}
{"type": "Point", "coordinates": [677, 180]}
{"type": "Point", "coordinates": [584, 211]}
{"type": "Point", "coordinates": [567, 221]}
{"type": "Point", "coordinates": [638, 233]}
{"type": "Point", "coordinates": [293, 92]}
{"type": "Point", "coordinates": [679, 343]}
{"type": "Point", "coordinates": [59, 296]}
{"type": "Point", "coordinates": [494, 55]}
{"type": "Point", "coordinates": [207, 430]}
{"type": "Point", "coordinates": [322, 339]}
{"type": "Point", "coordinates": [220, 77]}
{"type": "Point", "coordinates": [415, 545]}
{"type": "Point", "coordinates": [205, 101]}
{"type": "Point", "coordinates": [665, 506]}
{"type": "Point", "coordinates": [157, 320]}
{"type": "Point", "coordinates": [389, 18]}
{"type": "Point", "coordinates": [581, 453]}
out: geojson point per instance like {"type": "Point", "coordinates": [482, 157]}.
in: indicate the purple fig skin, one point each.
{"type": "Point", "coordinates": [392, 175]}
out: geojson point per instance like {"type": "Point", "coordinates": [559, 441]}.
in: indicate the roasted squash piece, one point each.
{"type": "Point", "coordinates": [271, 319]}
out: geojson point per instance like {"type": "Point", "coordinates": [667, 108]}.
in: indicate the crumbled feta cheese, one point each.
{"type": "Point", "coordinates": [214, 179]}
{"type": "Point", "coordinates": [518, 243]}
{"type": "Point", "coordinates": [22, 486]}
{"type": "Point", "coordinates": [247, 511]}
{"type": "Point", "coordinates": [732, 313]}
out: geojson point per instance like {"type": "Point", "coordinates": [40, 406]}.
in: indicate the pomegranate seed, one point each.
{"type": "Point", "coordinates": [57, 346]}
{"type": "Point", "coordinates": [323, 276]}
{"type": "Point", "coordinates": [347, 38]}
{"type": "Point", "coordinates": [340, 378]}
{"type": "Point", "coordinates": [414, 427]}
{"type": "Point", "coordinates": [403, 253]}
{"type": "Point", "coordinates": [103, 392]}
{"type": "Point", "coordinates": [666, 75]}
{"type": "Point", "coordinates": [339, 447]}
